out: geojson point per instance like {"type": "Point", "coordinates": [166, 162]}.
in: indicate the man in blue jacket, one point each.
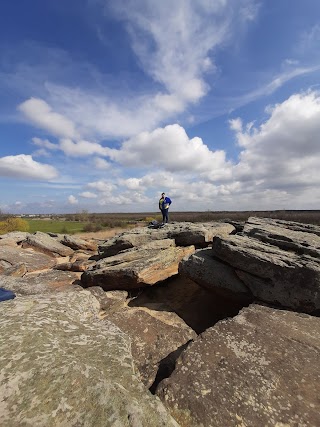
{"type": "Point", "coordinates": [164, 204]}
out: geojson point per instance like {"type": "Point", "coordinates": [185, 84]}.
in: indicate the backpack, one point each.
{"type": "Point", "coordinates": [155, 224]}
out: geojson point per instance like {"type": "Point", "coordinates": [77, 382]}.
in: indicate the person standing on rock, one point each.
{"type": "Point", "coordinates": [164, 204]}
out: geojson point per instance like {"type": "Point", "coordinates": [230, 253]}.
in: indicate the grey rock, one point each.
{"type": "Point", "coordinates": [135, 268]}
{"type": "Point", "coordinates": [76, 243]}
{"type": "Point", "coordinates": [110, 301]}
{"type": "Point", "coordinates": [207, 271]}
{"type": "Point", "coordinates": [184, 234]}
{"type": "Point", "coordinates": [272, 274]}
{"type": "Point", "coordinates": [10, 256]}
{"type": "Point", "coordinates": [257, 369]}
{"type": "Point", "coordinates": [13, 236]}
{"type": "Point", "coordinates": [62, 366]}
{"type": "Point", "coordinates": [42, 242]}
{"type": "Point", "coordinates": [303, 239]}
{"type": "Point", "coordinates": [50, 281]}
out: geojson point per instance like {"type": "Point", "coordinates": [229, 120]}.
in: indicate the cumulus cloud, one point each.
{"type": "Point", "coordinates": [284, 152]}
{"type": "Point", "coordinates": [88, 195]}
{"type": "Point", "coordinates": [39, 112]}
{"type": "Point", "coordinates": [45, 143]}
{"type": "Point", "coordinates": [82, 148]}
{"type": "Point", "coordinates": [101, 163]}
{"type": "Point", "coordinates": [72, 200]}
{"type": "Point", "coordinates": [171, 149]}
{"type": "Point", "coordinates": [23, 166]}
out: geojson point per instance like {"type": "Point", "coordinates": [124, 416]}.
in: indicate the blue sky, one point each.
{"type": "Point", "coordinates": [107, 103]}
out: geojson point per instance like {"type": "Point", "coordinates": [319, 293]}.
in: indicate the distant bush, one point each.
{"type": "Point", "coordinates": [13, 224]}
{"type": "Point", "coordinates": [92, 227]}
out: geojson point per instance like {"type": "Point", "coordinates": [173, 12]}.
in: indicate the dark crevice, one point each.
{"type": "Point", "coordinates": [167, 366]}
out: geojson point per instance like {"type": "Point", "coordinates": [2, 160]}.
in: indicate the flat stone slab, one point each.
{"type": "Point", "coordinates": [10, 256]}
{"type": "Point", "coordinates": [260, 368]}
{"type": "Point", "coordinates": [303, 239]}
{"type": "Point", "coordinates": [50, 281]}
{"type": "Point", "coordinates": [183, 233]}
{"type": "Point", "coordinates": [273, 275]}
{"type": "Point", "coordinates": [62, 366]}
{"type": "Point", "coordinates": [42, 242]}
{"type": "Point", "coordinates": [135, 268]}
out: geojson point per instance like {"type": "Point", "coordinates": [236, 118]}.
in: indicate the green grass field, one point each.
{"type": "Point", "coordinates": [54, 226]}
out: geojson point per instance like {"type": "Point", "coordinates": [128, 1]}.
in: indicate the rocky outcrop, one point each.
{"type": "Point", "coordinates": [257, 369]}
{"type": "Point", "coordinates": [135, 268]}
{"type": "Point", "coordinates": [272, 275]}
{"type": "Point", "coordinates": [62, 366]}
{"type": "Point", "coordinates": [76, 243]}
{"type": "Point", "coordinates": [272, 261]}
{"type": "Point", "coordinates": [184, 234]}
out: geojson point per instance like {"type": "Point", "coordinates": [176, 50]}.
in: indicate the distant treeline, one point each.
{"type": "Point", "coordinates": [112, 220]}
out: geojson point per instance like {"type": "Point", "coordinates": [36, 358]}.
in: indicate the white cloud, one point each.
{"type": "Point", "coordinates": [72, 200]}
{"type": "Point", "coordinates": [102, 186]}
{"type": "Point", "coordinates": [23, 166]}
{"type": "Point", "coordinates": [101, 163]}
{"type": "Point", "coordinates": [171, 149]}
{"type": "Point", "coordinates": [45, 143]}
{"type": "Point", "coordinates": [41, 115]}
{"type": "Point", "coordinates": [82, 148]}
{"type": "Point", "coordinates": [284, 152]}
{"type": "Point", "coordinates": [88, 195]}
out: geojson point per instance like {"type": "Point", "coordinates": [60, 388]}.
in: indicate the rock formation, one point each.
{"type": "Point", "coordinates": [161, 311]}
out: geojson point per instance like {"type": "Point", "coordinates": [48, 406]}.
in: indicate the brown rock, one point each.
{"type": "Point", "coordinates": [76, 243]}
{"type": "Point", "coordinates": [135, 268]}
{"type": "Point", "coordinates": [257, 369]}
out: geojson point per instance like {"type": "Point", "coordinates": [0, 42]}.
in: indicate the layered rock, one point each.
{"type": "Point", "coordinates": [136, 268]}
{"type": "Point", "coordinates": [13, 255]}
{"type": "Point", "coordinates": [209, 272]}
{"type": "Point", "coordinates": [257, 369]}
{"type": "Point", "coordinates": [61, 365]}
{"type": "Point", "coordinates": [47, 282]}
{"type": "Point", "coordinates": [277, 262]}
{"type": "Point", "coordinates": [184, 234]}
{"type": "Point", "coordinates": [42, 242]}
{"type": "Point", "coordinates": [273, 275]}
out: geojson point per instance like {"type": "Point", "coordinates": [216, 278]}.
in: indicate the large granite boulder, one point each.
{"type": "Point", "coordinates": [258, 369]}
{"type": "Point", "coordinates": [184, 234]}
{"type": "Point", "coordinates": [62, 366]}
{"type": "Point", "coordinates": [33, 261]}
{"type": "Point", "coordinates": [135, 268]}
{"type": "Point", "coordinates": [156, 335]}
{"type": "Point", "coordinates": [42, 242]}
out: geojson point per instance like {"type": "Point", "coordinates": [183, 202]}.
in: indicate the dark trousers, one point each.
{"type": "Point", "coordinates": [165, 215]}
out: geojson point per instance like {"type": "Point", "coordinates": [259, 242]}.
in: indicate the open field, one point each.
{"type": "Point", "coordinates": [104, 222]}
{"type": "Point", "coordinates": [55, 226]}
{"type": "Point", "coordinates": [111, 220]}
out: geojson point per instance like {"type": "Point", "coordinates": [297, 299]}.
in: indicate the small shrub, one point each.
{"type": "Point", "coordinates": [13, 224]}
